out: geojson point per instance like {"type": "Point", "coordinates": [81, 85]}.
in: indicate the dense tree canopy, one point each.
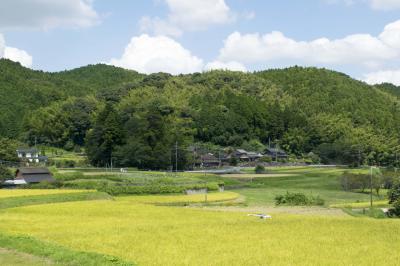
{"type": "Point", "coordinates": [136, 120]}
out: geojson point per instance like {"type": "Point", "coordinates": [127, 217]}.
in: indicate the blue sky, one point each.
{"type": "Point", "coordinates": [358, 37]}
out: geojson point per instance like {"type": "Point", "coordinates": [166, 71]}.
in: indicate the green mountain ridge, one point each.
{"type": "Point", "coordinates": [301, 109]}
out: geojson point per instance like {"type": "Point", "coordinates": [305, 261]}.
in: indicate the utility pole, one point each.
{"type": "Point", "coordinates": [176, 158]}
{"type": "Point", "coordinates": [370, 182]}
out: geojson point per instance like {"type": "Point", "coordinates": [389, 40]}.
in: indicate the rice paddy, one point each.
{"type": "Point", "coordinates": [180, 230]}
{"type": "Point", "coordinates": [7, 193]}
{"type": "Point", "coordinates": [134, 230]}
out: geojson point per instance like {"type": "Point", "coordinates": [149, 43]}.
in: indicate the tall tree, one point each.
{"type": "Point", "coordinates": [102, 140]}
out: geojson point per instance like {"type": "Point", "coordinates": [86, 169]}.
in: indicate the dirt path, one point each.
{"type": "Point", "coordinates": [15, 258]}
{"type": "Point", "coordinates": [287, 210]}
{"type": "Point", "coordinates": [244, 176]}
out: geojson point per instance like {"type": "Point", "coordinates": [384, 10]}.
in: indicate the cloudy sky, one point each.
{"type": "Point", "coordinates": [358, 37]}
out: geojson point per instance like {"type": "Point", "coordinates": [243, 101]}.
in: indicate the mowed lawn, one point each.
{"type": "Point", "coordinates": [135, 229]}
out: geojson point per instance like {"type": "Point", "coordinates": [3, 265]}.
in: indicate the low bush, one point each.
{"type": "Point", "coordinates": [155, 188]}
{"type": "Point", "coordinates": [298, 199]}
{"type": "Point", "coordinates": [395, 211]}
{"type": "Point", "coordinates": [394, 193]}
{"type": "Point", "coordinates": [260, 169]}
{"type": "Point", "coordinates": [5, 173]}
{"type": "Point", "coordinates": [351, 181]}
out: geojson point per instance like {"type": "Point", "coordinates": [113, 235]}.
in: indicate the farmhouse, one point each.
{"type": "Point", "coordinates": [276, 153]}
{"type": "Point", "coordinates": [30, 155]}
{"type": "Point", "coordinates": [241, 155]}
{"type": "Point", "coordinates": [247, 156]}
{"type": "Point", "coordinates": [209, 160]}
{"type": "Point", "coordinates": [33, 175]}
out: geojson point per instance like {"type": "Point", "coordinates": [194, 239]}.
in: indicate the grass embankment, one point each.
{"type": "Point", "coordinates": [18, 201]}
{"type": "Point", "coordinates": [24, 250]}
{"type": "Point", "coordinates": [134, 230]}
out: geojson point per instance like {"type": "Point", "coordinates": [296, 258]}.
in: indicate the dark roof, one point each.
{"type": "Point", "coordinates": [254, 154]}
{"type": "Point", "coordinates": [28, 150]}
{"type": "Point", "coordinates": [209, 157]}
{"type": "Point", "coordinates": [32, 170]}
{"type": "Point", "coordinates": [34, 175]}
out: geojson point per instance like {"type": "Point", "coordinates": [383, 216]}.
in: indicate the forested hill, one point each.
{"type": "Point", "coordinates": [390, 88]}
{"type": "Point", "coordinates": [137, 118]}
{"type": "Point", "coordinates": [23, 91]}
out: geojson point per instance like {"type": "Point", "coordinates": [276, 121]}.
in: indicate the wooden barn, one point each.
{"type": "Point", "coordinates": [34, 175]}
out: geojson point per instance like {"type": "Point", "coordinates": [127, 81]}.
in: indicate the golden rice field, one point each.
{"type": "Point", "coordinates": [7, 193]}
{"type": "Point", "coordinates": [137, 231]}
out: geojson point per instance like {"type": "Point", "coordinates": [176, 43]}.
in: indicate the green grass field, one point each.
{"type": "Point", "coordinates": [311, 181]}
{"type": "Point", "coordinates": [92, 228]}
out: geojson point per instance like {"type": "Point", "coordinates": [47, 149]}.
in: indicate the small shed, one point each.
{"type": "Point", "coordinates": [34, 175]}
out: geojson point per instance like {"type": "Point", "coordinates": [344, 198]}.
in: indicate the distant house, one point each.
{"type": "Point", "coordinates": [241, 155]}
{"type": "Point", "coordinates": [30, 155]}
{"type": "Point", "coordinates": [33, 175]}
{"type": "Point", "coordinates": [247, 156]}
{"type": "Point", "coordinates": [276, 153]}
{"type": "Point", "coordinates": [254, 156]}
{"type": "Point", "coordinates": [209, 160]}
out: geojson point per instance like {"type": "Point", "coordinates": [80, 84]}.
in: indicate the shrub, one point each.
{"type": "Point", "coordinates": [233, 161]}
{"type": "Point", "coordinates": [70, 176]}
{"type": "Point", "coordinates": [394, 193]}
{"type": "Point", "coordinates": [115, 189]}
{"type": "Point", "coordinates": [265, 159]}
{"type": "Point", "coordinates": [350, 181]}
{"type": "Point", "coordinates": [395, 211]}
{"type": "Point", "coordinates": [260, 169]}
{"type": "Point", "coordinates": [298, 199]}
{"type": "Point", "coordinates": [5, 173]}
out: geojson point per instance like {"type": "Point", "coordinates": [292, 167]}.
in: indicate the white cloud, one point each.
{"type": "Point", "coordinates": [357, 49]}
{"type": "Point", "coordinates": [391, 76]}
{"type": "Point", "coordinates": [232, 65]}
{"type": "Point", "coordinates": [391, 34]}
{"type": "Point", "coordinates": [385, 4]}
{"type": "Point", "coordinates": [148, 54]}
{"type": "Point", "coordinates": [185, 15]}
{"type": "Point", "coordinates": [2, 45]}
{"type": "Point", "coordinates": [46, 14]}
{"type": "Point", "coordinates": [14, 54]}
{"type": "Point", "coordinates": [18, 55]}
{"type": "Point", "coordinates": [158, 27]}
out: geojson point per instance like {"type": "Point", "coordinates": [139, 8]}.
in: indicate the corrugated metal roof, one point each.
{"type": "Point", "coordinates": [32, 170]}
{"type": "Point", "coordinates": [34, 175]}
